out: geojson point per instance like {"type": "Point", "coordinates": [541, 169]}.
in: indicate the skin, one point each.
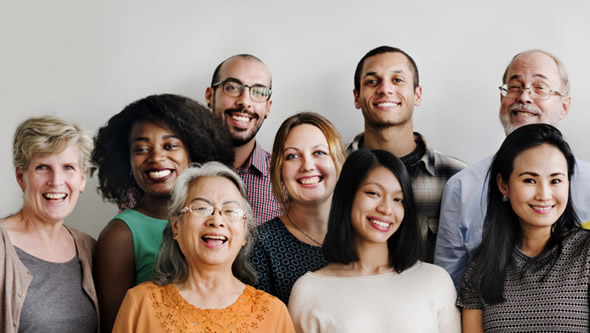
{"type": "Point", "coordinates": [242, 115]}
{"type": "Point", "coordinates": [387, 98]}
{"type": "Point", "coordinates": [309, 175]}
{"type": "Point", "coordinates": [379, 198]}
{"type": "Point", "coordinates": [538, 192]}
{"type": "Point", "coordinates": [153, 149]}
{"type": "Point", "coordinates": [526, 70]}
{"type": "Point", "coordinates": [51, 186]}
{"type": "Point", "coordinates": [210, 282]}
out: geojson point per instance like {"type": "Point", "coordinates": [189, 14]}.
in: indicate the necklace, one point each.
{"type": "Point", "coordinates": [303, 232]}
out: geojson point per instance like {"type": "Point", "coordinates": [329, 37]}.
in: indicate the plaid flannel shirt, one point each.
{"type": "Point", "coordinates": [433, 171]}
{"type": "Point", "coordinates": [256, 176]}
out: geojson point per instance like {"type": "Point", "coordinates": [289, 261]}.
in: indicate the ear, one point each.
{"type": "Point", "coordinates": [565, 106]}
{"type": "Point", "coordinates": [268, 105]}
{"type": "Point", "coordinates": [502, 186]}
{"type": "Point", "coordinates": [20, 178]}
{"type": "Point", "coordinates": [418, 96]}
{"type": "Point", "coordinates": [209, 97]}
{"type": "Point", "coordinates": [174, 224]}
{"type": "Point", "coordinates": [355, 93]}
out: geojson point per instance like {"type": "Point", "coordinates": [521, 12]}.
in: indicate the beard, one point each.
{"type": "Point", "coordinates": [241, 136]}
{"type": "Point", "coordinates": [505, 118]}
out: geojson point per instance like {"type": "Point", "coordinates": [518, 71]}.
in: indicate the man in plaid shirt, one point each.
{"type": "Point", "coordinates": [386, 89]}
{"type": "Point", "coordinates": [240, 93]}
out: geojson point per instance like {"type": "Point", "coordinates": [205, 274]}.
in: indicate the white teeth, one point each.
{"type": "Point", "coordinates": [215, 237]}
{"type": "Point", "coordinates": [387, 104]}
{"type": "Point", "coordinates": [308, 181]}
{"type": "Point", "coordinates": [524, 114]}
{"type": "Point", "coordinates": [381, 224]}
{"type": "Point", "coordinates": [542, 208]}
{"type": "Point", "coordinates": [240, 118]}
{"type": "Point", "coordinates": [159, 174]}
{"type": "Point", "coordinates": [54, 195]}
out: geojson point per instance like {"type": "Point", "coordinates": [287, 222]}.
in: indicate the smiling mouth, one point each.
{"type": "Point", "coordinates": [310, 180]}
{"type": "Point", "coordinates": [55, 196]}
{"type": "Point", "coordinates": [159, 174]}
{"type": "Point", "coordinates": [214, 240]}
{"type": "Point", "coordinates": [525, 114]}
{"type": "Point", "coordinates": [542, 209]}
{"type": "Point", "coordinates": [383, 225]}
{"type": "Point", "coordinates": [387, 104]}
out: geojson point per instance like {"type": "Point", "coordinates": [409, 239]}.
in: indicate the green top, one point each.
{"type": "Point", "coordinates": [147, 237]}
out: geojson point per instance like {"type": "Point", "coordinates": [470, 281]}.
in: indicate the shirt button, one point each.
{"type": "Point", "coordinates": [20, 294]}
{"type": "Point", "coordinates": [29, 273]}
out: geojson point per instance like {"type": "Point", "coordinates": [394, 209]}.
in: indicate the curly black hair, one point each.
{"type": "Point", "coordinates": [202, 133]}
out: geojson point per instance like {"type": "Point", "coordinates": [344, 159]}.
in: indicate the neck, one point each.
{"type": "Point", "coordinates": [533, 241]}
{"type": "Point", "coordinates": [156, 207]}
{"type": "Point", "coordinates": [242, 153]}
{"type": "Point", "coordinates": [399, 140]}
{"type": "Point", "coordinates": [310, 218]}
{"type": "Point", "coordinates": [26, 222]}
{"type": "Point", "coordinates": [373, 258]}
{"type": "Point", "coordinates": [210, 287]}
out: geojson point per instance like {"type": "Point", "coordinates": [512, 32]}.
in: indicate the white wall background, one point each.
{"type": "Point", "coordinates": [86, 60]}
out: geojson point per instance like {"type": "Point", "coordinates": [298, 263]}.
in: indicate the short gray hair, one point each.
{"type": "Point", "coordinates": [48, 135]}
{"type": "Point", "coordinates": [171, 265]}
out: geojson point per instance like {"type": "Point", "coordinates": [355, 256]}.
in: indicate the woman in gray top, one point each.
{"type": "Point", "coordinates": [45, 267]}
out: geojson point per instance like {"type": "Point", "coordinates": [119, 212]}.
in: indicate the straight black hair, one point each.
{"type": "Point", "coordinates": [501, 225]}
{"type": "Point", "coordinates": [404, 245]}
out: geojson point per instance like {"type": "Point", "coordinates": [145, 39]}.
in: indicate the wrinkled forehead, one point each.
{"type": "Point", "coordinates": [247, 70]}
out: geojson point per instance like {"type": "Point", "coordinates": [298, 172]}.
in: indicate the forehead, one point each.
{"type": "Point", "coordinates": [384, 177]}
{"type": "Point", "coordinates": [531, 66]}
{"type": "Point", "coordinates": [305, 133]}
{"type": "Point", "coordinates": [213, 188]}
{"type": "Point", "coordinates": [544, 158]}
{"type": "Point", "coordinates": [145, 127]}
{"type": "Point", "coordinates": [386, 63]}
{"type": "Point", "coordinates": [247, 70]}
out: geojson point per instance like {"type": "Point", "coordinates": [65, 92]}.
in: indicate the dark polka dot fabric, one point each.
{"type": "Point", "coordinates": [280, 259]}
{"type": "Point", "coordinates": [544, 294]}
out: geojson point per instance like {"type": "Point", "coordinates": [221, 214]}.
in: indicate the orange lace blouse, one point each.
{"type": "Point", "coordinates": [152, 308]}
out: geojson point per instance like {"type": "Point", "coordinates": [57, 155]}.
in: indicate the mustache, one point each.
{"type": "Point", "coordinates": [527, 107]}
{"type": "Point", "coordinates": [242, 111]}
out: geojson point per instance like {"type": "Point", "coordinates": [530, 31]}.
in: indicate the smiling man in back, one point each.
{"type": "Point", "coordinates": [240, 92]}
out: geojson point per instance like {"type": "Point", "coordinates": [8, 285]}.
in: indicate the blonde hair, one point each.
{"type": "Point", "coordinates": [47, 135]}
{"type": "Point", "coordinates": [337, 151]}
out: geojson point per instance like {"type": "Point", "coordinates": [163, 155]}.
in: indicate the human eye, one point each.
{"type": "Point", "coordinates": [529, 181]}
{"type": "Point", "coordinates": [370, 82]}
{"type": "Point", "coordinates": [259, 91]}
{"type": "Point", "coordinates": [139, 150]}
{"type": "Point", "coordinates": [399, 200]}
{"type": "Point", "coordinates": [514, 88]}
{"type": "Point", "coordinates": [398, 80]}
{"type": "Point", "coordinates": [42, 167]}
{"type": "Point", "coordinates": [69, 167]}
{"type": "Point", "coordinates": [541, 89]}
{"type": "Point", "coordinates": [202, 209]}
{"type": "Point", "coordinates": [231, 86]}
{"type": "Point", "coordinates": [171, 145]}
{"type": "Point", "coordinates": [232, 211]}
{"type": "Point", "coordinates": [291, 156]}
{"type": "Point", "coordinates": [320, 153]}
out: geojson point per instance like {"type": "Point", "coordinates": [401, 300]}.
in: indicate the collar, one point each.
{"type": "Point", "coordinates": [257, 160]}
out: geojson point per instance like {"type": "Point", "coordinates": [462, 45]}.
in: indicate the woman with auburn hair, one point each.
{"type": "Point", "coordinates": [139, 154]}
{"type": "Point", "coordinates": [306, 160]}
{"type": "Point", "coordinates": [45, 267]}
{"type": "Point", "coordinates": [202, 276]}
{"type": "Point", "coordinates": [374, 282]}
{"type": "Point", "coordinates": [531, 271]}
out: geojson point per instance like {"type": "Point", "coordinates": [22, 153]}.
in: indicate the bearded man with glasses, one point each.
{"type": "Point", "coordinates": [535, 90]}
{"type": "Point", "coordinates": [240, 93]}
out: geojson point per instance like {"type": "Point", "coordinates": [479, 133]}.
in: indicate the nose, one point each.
{"type": "Point", "coordinates": [543, 192]}
{"type": "Point", "coordinates": [385, 87]}
{"type": "Point", "coordinates": [385, 206]}
{"type": "Point", "coordinates": [307, 163]}
{"type": "Point", "coordinates": [216, 220]}
{"type": "Point", "coordinates": [244, 99]}
{"type": "Point", "coordinates": [56, 178]}
{"type": "Point", "coordinates": [525, 96]}
{"type": "Point", "coordinates": [157, 154]}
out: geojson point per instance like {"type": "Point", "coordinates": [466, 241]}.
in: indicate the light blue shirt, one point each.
{"type": "Point", "coordinates": [463, 209]}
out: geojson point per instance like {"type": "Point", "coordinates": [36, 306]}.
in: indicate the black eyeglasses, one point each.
{"type": "Point", "coordinates": [235, 88]}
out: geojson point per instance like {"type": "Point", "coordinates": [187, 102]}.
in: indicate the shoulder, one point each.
{"type": "Point", "coordinates": [472, 174]}
{"type": "Point", "coordinates": [258, 296]}
{"type": "Point", "coordinates": [269, 228]}
{"type": "Point", "coordinates": [446, 161]}
{"type": "Point", "coordinates": [82, 239]}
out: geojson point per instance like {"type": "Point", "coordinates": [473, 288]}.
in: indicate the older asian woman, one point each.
{"type": "Point", "coordinates": [139, 154]}
{"type": "Point", "coordinates": [45, 267]}
{"type": "Point", "coordinates": [307, 157]}
{"type": "Point", "coordinates": [531, 271]}
{"type": "Point", "coordinates": [374, 282]}
{"type": "Point", "coordinates": [202, 271]}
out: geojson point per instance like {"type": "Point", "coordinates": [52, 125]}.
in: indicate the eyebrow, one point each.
{"type": "Point", "coordinates": [517, 76]}
{"type": "Point", "coordinates": [255, 84]}
{"type": "Point", "coordinates": [210, 203]}
{"type": "Point", "coordinates": [314, 147]}
{"type": "Point", "coordinates": [397, 71]}
{"type": "Point", "coordinates": [143, 138]}
{"type": "Point", "coordinates": [534, 174]}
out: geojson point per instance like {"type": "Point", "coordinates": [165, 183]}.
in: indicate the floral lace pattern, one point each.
{"type": "Point", "coordinates": [175, 314]}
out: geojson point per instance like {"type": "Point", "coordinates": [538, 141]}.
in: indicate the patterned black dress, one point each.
{"type": "Point", "coordinates": [280, 259]}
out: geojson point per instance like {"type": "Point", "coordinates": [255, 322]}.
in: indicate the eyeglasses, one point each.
{"type": "Point", "coordinates": [230, 211]}
{"type": "Point", "coordinates": [538, 91]}
{"type": "Point", "coordinates": [235, 88]}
